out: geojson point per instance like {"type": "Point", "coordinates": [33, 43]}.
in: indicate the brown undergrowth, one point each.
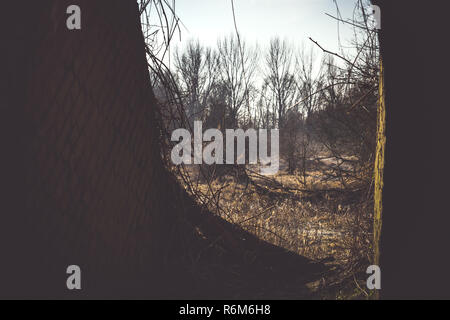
{"type": "Point", "coordinates": [320, 220]}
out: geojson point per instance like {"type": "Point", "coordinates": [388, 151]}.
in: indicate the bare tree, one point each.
{"type": "Point", "coordinates": [280, 78]}
{"type": "Point", "coordinates": [309, 80]}
{"type": "Point", "coordinates": [238, 64]}
{"type": "Point", "coordinates": [196, 70]}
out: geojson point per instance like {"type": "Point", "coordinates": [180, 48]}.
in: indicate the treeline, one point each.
{"type": "Point", "coordinates": [324, 105]}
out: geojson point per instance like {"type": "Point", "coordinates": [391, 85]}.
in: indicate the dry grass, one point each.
{"type": "Point", "coordinates": [321, 220]}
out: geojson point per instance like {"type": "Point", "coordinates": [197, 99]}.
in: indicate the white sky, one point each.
{"type": "Point", "coordinates": [260, 20]}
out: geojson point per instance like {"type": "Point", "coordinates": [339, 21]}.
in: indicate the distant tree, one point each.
{"type": "Point", "coordinates": [238, 63]}
{"type": "Point", "coordinates": [279, 78]}
{"type": "Point", "coordinates": [196, 69]}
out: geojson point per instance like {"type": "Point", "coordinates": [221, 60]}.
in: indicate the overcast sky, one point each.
{"type": "Point", "coordinates": [260, 20]}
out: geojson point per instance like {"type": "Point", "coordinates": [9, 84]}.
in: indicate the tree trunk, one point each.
{"type": "Point", "coordinates": [84, 181]}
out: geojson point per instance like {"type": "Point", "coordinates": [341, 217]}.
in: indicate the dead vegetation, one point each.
{"type": "Point", "coordinates": [323, 222]}
{"type": "Point", "coordinates": [320, 204]}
